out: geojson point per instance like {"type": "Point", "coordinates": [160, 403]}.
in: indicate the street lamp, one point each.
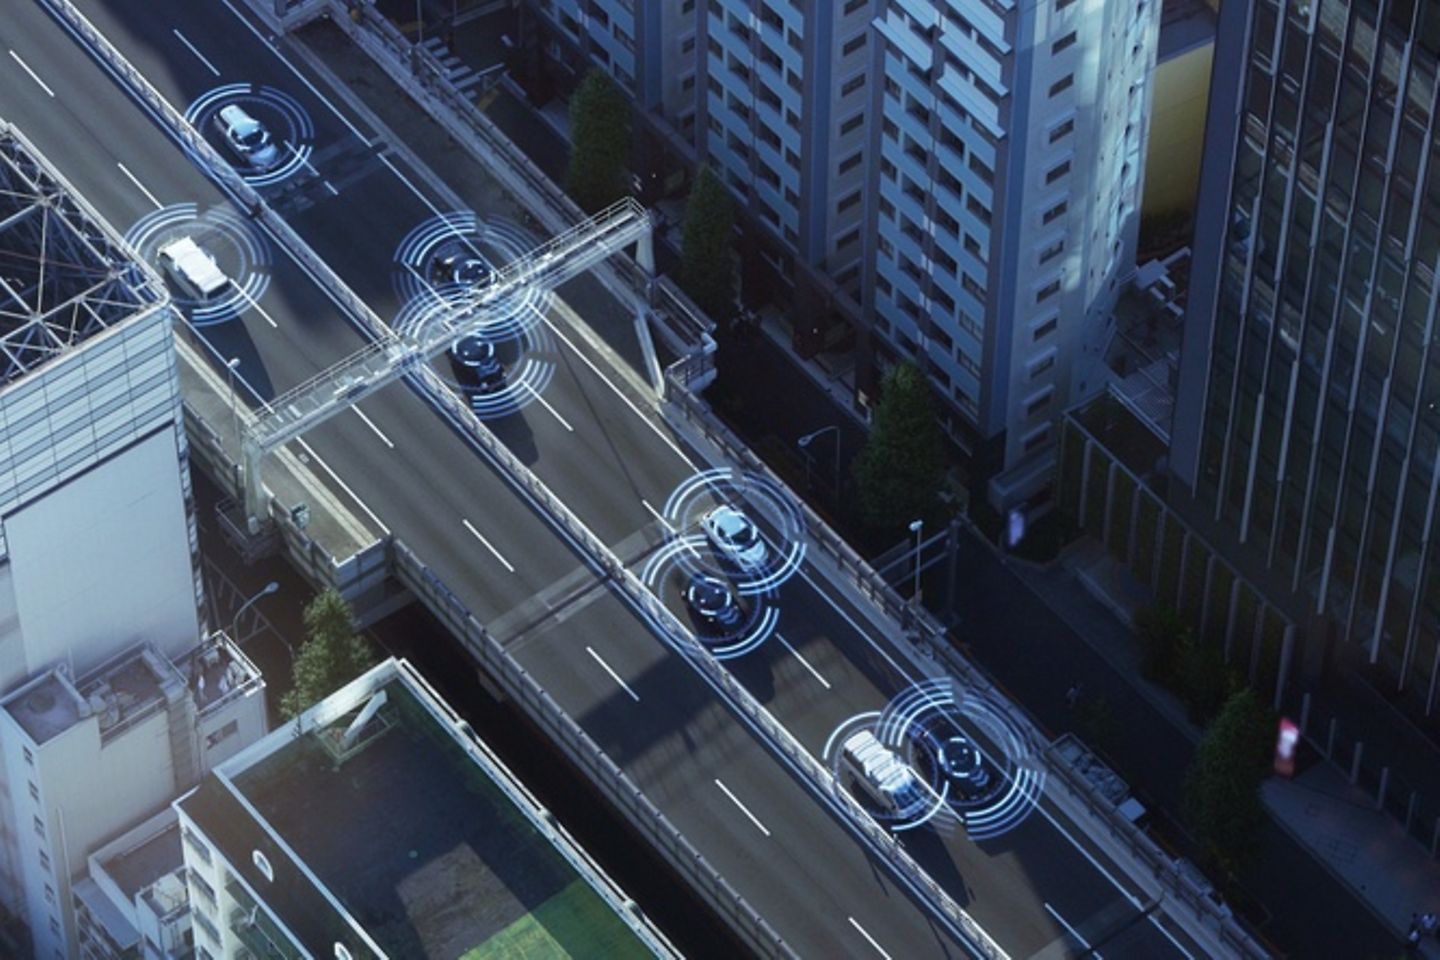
{"type": "Point", "coordinates": [917, 527]}
{"type": "Point", "coordinates": [806, 440]}
{"type": "Point", "coordinates": [265, 591]}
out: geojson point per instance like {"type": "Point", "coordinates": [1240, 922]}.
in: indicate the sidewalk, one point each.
{"type": "Point", "coordinates": [1333, 822]}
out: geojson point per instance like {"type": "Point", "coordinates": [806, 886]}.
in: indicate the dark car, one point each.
{"type": "Point", "coordinates": [459, 266]}
{"type": "Point", "coordinates": [964, 764]}
{"type": "Point", "coordinates": [712, 602]}
{"type": "Point", "coordinates": [476, 365]}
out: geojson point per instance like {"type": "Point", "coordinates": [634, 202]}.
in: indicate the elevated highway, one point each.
{"type": "Point", "coordinates": [483, 552]}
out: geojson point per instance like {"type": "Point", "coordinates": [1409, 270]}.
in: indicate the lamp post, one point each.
{"type": "Point", "coordinates": [806, 440]}
{"type": "Point", "coordinates": [265, 591]}
{"type": "Point", "coordinates": [917, 527]}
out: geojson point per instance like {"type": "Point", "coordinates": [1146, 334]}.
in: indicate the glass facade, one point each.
{"type": "Point", "coordinates": [1317, 439]}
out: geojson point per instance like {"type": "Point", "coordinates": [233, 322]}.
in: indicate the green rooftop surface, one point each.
{"type": "Point", "coordinates": [425, 851]}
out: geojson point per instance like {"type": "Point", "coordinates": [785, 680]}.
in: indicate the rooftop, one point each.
{"type": "Point", "coordinates": [416, 833]}
{"type": "Point", "coordinates": [46, 706]}
{"type": "Point", "coordinates": [138, 867]}
{"type": "Point", "coordinates": [65, 275]}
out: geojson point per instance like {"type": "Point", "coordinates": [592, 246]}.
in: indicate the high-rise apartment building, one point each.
{"type": "Point", "coordinates": [1307, 425]}
{"type": "Point", "coordinates": [959, 179]}
{"type": "Point", "coordinates": [1008, 143]}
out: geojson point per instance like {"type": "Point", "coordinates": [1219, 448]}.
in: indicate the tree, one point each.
{"type": "Point", "coordinates": [1222, 787]}
{"type": "Point", "coordinates": [332, 655]}
{"type": "Point", "coordinates": [707, 258]}
{"type": "Point", "coordinates": [1204, 678]}
{"type": "Point", "coordinates": [1163, 638]}
{"type": "Point", "coordinates": [599, 142]}
{"type": "Point", "coordinates": [900, 471]}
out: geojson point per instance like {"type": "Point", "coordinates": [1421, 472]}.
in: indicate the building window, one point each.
{"type": "Point", "coordinates": [1037, 439]}
{"type": "Point", "coordinates": [29, 757]}
{"type": "Point", "coordinates": [34, 792]}
{"type": "Point", "coordinates": [1048, 291]}
{"type": "Point", "coordinates": [1063, 84]}
{"type": "Point", "coordinates": [848, 202]}
{"type": "Point", "coordinates": [853, 84]}
{"type": "Point", "coordinates": [853, 44]}
{"type": "Point", "coordinates": [44, 861]}
{"type": "Point", "coordinates": [1052, 251]}
{"type": "Point", "coordinates": [40, 828]}
{"type": "Point", "coordinates": [1056, 172]}
{"type": "Point", "coordinates": [1055, 212]}
{"type": "Point", "coordinates": [1062, 4]}
{"type": "Point", "coordinates": [1042, 365]}
{"type": "Point", "coordinates": [1063, 44]}
{"type": "Point", "coordinates": [1045, 329]}
{"type": "Point", "coordinates": [223, 734]}
{"type": "Point", "coordinates": [195, 843]}
{"type": "Point", "coordinates": [853, 123]}
{"type": "Point", "coordinates": [1064, 129]}
{"type": "Point", "coordinates": [849, 163]}
{"type": "Point", "coordinates": [1038, 403]}
{"type": "Point", "coordinates": [262, 863]}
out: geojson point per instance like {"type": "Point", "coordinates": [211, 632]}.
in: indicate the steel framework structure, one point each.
{"type": "Point", "coordinates": [62, 280]}
{"type": "Point", "coordinates": [393, 355]}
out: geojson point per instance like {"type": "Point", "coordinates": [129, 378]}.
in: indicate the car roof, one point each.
{"type": "Point", "coordinates": [729, 519]}
{"type": "Point", "coordinates": [194, 262]}
{"type": "Point", "coordinates": [236, 115]}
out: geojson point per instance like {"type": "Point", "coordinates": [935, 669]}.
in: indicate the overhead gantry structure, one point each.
{"type": "Point", "coordinates": [393, 355]}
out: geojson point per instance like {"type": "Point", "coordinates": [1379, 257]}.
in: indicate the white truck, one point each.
{"type": "Point", "coordinates": [882, 775]}
{"type": "Point", "coordinates": [193, 270]}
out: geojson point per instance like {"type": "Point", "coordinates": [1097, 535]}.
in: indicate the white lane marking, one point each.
{"type": "Point", "coordinates": [139, 186]}
{"type": "Point", "coordinates": [806, 663]}
{"type": "Point", "coordinates": [546, 404]}
{"type": "Point", "coordinates": [245, 295]}
{"type": "Point", "coordinates": [658, 515]}
{"type": "Point", "coordinates": [331, 187]}
{"type": "Point", "coordinates": [310, 451]}
{"type": "Point", "coordinates": [488, 545]}
{"type": "Point", "coordinates": [743, 809]}
{"type": "Point", "coordinates": [1090, 951]}
{"type": "Point", "coordinates": [33, 76]}
{"type": "Point", "coordinates": [613, 675]}
{"type": "Point", "coordinates": [371, 424]}
{"type": "Point", "coordinates": [413, 189]}
{"type": "Point", "coordinates": [618, 392]}
{"type": "Point", "coordinates": [869, 939]}
{"type": "Point", "coordinates": [303, 79]}
{"type": "Point", "coordinates": [191, 47]}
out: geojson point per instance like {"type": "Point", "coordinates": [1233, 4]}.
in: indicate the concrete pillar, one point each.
{"type": "Point", "coordinates": [1355, 763]}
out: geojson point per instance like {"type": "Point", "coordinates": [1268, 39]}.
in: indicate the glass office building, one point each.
{"type": "Point", "coordinates": [1309, 403]}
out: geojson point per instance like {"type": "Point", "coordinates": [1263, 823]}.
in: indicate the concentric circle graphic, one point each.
{"type": "Point", "coordinates": [681, 557]}
{"type": "Point", "coordinates": [431, 263]}
{"type": "Point", "coordinates": [527, 358]}
{"type": "Point", "coordinates": [235, 244]}
{"type": "Point", "coordinates": [972, 765]}
{"type": "Point", "coordinates": [286, 119]}
{"type": "Point", "coordinates": [776, 513]}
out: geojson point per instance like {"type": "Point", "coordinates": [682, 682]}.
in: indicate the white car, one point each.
{"type": "Point", "coordinates": [247, 137]}
{"type": "Point", "coordinates": [735, 537]}
{"type": "Point", "coordinates": [193, 270]}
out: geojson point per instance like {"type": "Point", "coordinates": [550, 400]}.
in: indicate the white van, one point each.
{"type": "Point", "coordinates": [883, 776]}
{"type": "Point", "coordinates": [192, 269]}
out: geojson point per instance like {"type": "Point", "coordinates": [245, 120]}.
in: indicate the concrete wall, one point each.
{"type": "Point", "coordinates": [100, 564]}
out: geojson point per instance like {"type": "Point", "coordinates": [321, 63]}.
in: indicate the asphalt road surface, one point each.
{"type": "Point", "coordinates": [595, 439]}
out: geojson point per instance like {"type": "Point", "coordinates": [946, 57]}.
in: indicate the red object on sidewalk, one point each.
{"type": "Point", "coordinates": [1285, 743]}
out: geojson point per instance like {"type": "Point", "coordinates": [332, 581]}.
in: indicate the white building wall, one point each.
{"type": "Point", "coordinates": [119, 536]}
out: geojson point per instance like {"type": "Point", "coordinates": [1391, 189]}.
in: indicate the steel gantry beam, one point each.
{"type": "Point", "coordinates": [393, 355]}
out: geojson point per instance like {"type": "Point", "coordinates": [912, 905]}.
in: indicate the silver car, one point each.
{"type": "Point", "coordinates": [247, 137]}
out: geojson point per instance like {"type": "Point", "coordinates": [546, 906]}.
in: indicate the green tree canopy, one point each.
{"type": "Point", "coordinates": [332, 655]}
{"type": "Point", "coordinates": [707, 254]}
{"type": "Point", "coordinates": [1222, 787]}
{"type": "Point", "coordinates": [900, 471]}
{"type": "Point", "coordinates": [599, 142]}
